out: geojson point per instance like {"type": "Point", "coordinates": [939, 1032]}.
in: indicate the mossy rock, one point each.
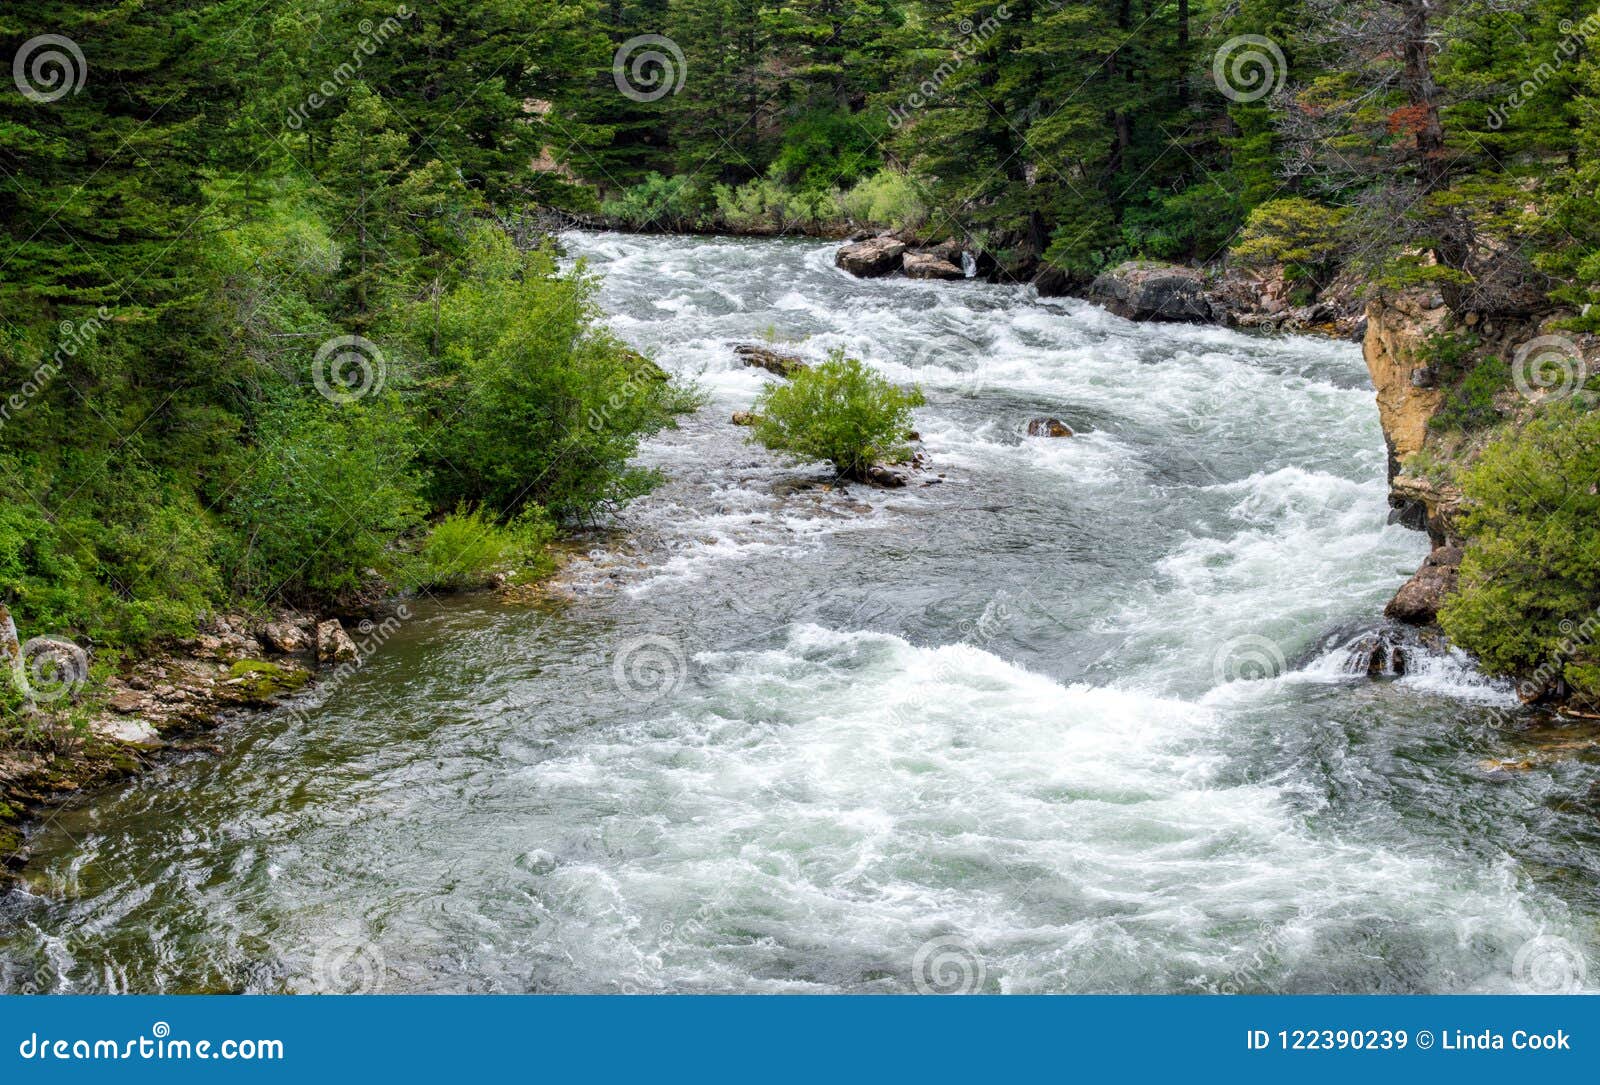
{"type": "Point", "coordinates": [254, 681]}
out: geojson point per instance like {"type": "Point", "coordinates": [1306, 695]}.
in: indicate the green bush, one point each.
{"type": "Point", "coordinates": [1303, 235]}
{"type": "Point", "coordinates": [1469, 405]}
{"type": "Point", "coordinates": [539, 403]}
{"type": "Point", "coordinates": [329, 491]}
{"type": "Point", "coordinates": [666, 203]}
{"type": "Point", "coordinates": [887, 198]}
{"type": "Point", "coordinates": [1531, 575]}
{"type": "Point", "coordinates": [839, 411]}
{"type": "Point", "coordinates": [468, 546]}
{"type": "Point", "coordinates": [826, 147]}
{"type": "Point", "coordinates": [755, 205]}
{"type": "Point", "coordinates": [127, 558]}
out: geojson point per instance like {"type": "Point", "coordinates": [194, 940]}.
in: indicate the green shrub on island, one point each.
{"type": "Point", "coordinates": [1530, 580]}
{"type": "Point", "coordinates": [840, 412]}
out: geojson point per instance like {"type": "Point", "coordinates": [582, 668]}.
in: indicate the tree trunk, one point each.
{"type": "Point", "coordinates": [11, 652]}
{"type": "Point", "coordinates": [1452, 248]}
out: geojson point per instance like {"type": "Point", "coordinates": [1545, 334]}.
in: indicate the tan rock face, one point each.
{"type": "Point", "coordinates": [1419, 599]}
{"type": "Point", "coordinates": [1397, 330]}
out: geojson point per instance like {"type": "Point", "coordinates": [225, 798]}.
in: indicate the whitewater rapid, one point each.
{"type": "Point", "coordinates": [1062, 715]}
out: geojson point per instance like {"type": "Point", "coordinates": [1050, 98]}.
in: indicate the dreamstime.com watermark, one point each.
{"type": "Point", "coordinates": [373, 636]}
{"type": "Point", "coordinates": [1575, 637]}
{"type": "Point", "coordinates": [948, 965]}
{"type": "Point", "coordinates": [348, 368]}
{"type": "Point", "coordinates": [1575, 36]}
{"type": "Point", "coordinates": [75, 337]}
{"type": "Point", "coordinates": [956, 660]}
{"type": "Point", "coordinates": [373, 36]}
{"type": "Point", "coordinates": [648, 669]}
{"type": "Point", "coordinates": [1250, 658]}
{"type": "Point", "coordinates": [972, 39]}
{"type": "Point", "coordinates": [1550, 367]}
{"type": "Point", "coordinates": [158, 1045]}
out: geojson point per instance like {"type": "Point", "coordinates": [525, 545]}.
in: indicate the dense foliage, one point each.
{"type": "Point", "coordinates": [1531, 579]}
{"type": "Point", "coordinates": [1447, 143]}
{"type": "Point", "coordinates": [276, 323]}
{"type": "Point", "coordinates": [839, 412]}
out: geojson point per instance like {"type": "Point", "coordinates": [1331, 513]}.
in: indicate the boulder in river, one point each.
{"type": "Point", "coordinates": [1048, 427]}
{"type": "Point", "coordinates": [1418, 600]}
{"type": "Point", "coordinates": [334, 644]}
{"type": "Point", "coordinates": [744, 418]}
{"type": "Point", "coordinates": [776, 362]}
{"type": "Point", "coordinates": [1144, 290]}
{"type": "Point", "coordinates": [876, 256]}
{"type": "Point", "coordinates": [888, 477]}
{"type": "Point", "coordinates": [923, 265]}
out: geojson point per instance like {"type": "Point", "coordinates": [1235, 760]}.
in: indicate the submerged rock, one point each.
{"type": "Point", "coordinates": [876, 256]}
{"type": "Point", "coordinates": [1142, 290]}
{"type": "Point", "coordinates": [1418, 600]}
{"type": "Point", "coordinates": [924, 265]}
{"type": "Point", "coordinates": [888, 477]}
{"type": "Point", "coordinates": [776, 362]}
{"type": "Point", "coordinates": [1048, 427]}
{"type": "Point", "coordinates": [254, 681]}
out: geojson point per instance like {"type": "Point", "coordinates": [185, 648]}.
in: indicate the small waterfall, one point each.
{"type": "Point", "coordinates": [969, 265]}
{"type": "Point", "coordinates": [1384, 653]}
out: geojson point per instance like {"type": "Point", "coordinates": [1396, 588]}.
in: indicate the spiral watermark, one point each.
{"type": "Point", "coordinates": [1549, 965]}
{"type": "Point", "coordinates": [347, 968]}
{"type": "Point", "coordinates": [971, 40]}
{"type": "Point", "coordinates": [649, 67]}
{"type": "Point", "coordinates": [49, 67]}
{"type": "Point", "coordinates": [75, 337]}
{"type": "Point", "coordinates": [947, 965]}
{"type": "Point", "coordinates": [1574, 42]}
{"type": "Point", "coordinates": [373, 35]}
{"type": "Point", "coordinates": [1548, 368]}
{"type": "Point", "coordinates": [1249, 67]}
{"type": "Point", "coordinates": [648, 668]}
{"type": "Point", "coordinates": [1249, 658]}
{"type": "Point", "coordinates": [348, 368]}
{"type": "Point", "coordinates": [55, 669]}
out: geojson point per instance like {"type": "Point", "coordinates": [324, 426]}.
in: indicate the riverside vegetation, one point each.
{"type": "Point", "coordinates": [284, 324]}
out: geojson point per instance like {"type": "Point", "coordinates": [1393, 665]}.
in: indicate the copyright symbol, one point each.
{"type": "Point", "coordinates": [1424, 1039]}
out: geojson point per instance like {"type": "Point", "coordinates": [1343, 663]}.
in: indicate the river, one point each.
{"type": "Point", "coordinates": [1075, 717]}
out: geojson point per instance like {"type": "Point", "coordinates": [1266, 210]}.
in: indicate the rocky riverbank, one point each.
{"type": "Point", "coordinates": [1262, 299]}
{"type": "Point", "coordinates": [1421, 389]}
{"type": "Point", "coordinates": [89, 735]}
